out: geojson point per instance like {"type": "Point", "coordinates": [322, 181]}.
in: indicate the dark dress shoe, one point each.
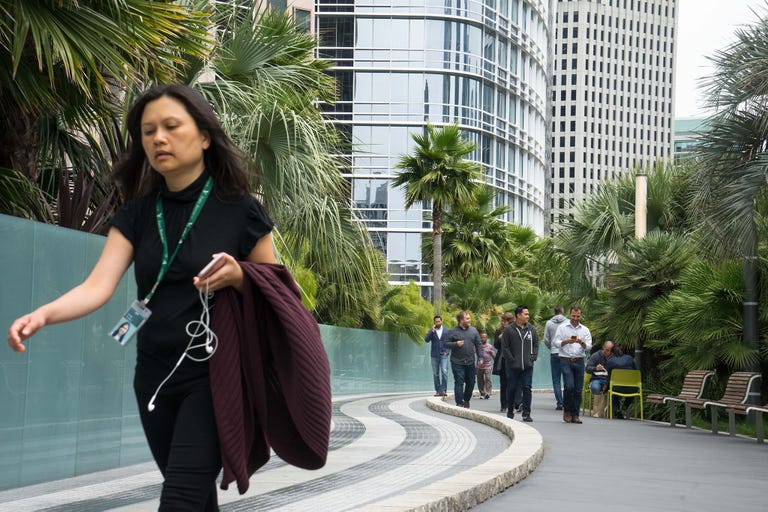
{"type": "Point", "coordinates": [567, 417]}
{"type": "Point", "coordinates": [527, 418]}
{"type": "Point", "coordinates": [577, 420]}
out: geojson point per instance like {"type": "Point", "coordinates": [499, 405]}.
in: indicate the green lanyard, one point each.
{"type": "Point", "coordinates": [166, 263]}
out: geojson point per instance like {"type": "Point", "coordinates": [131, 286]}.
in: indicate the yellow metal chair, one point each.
{"type": "Point", "coordinates": [623, 379]}
{"type": "Point", "coordinates": [586, 395]}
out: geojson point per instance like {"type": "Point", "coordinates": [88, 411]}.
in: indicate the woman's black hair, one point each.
{"type": "Point", "coordinates": [223, 160]}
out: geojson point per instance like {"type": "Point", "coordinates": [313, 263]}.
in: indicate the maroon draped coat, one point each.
{"type": "Point", "coordinates": [270, 376]}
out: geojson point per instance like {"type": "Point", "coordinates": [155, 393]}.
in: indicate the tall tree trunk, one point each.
{"type": "Point", "coordinates": [19, 142]}
{"type": "Point", "coordinates": [437, 259]}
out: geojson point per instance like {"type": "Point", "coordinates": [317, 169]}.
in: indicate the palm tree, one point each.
{"type": "Point", "coordinates": [604, 224]}
{"type": "Point", "coordinates": [648, 270]}
{"type": "Point", "coordinates": [439, 172]}
{"type": "Point", "coordinates": [734, 161]}
{"type": "Point", "coordinates": [62, 69]}
{"type": "Point", "coordinates": [698, 326]}
{"type": "Point", "coordinates": [475, 239]}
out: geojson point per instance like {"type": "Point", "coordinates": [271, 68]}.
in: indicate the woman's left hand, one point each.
{"type": "Point", "coordinates": [227, 273]}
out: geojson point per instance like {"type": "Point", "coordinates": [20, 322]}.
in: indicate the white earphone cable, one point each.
{"type": "Point", "coordinates": [195, 329]}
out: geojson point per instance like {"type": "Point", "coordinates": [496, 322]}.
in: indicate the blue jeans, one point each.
{"type": "Point", "coordinates": [517, 379]}
{"type": "Point", "coordinates": [573, 382]}
{"type": "Point", "coordinates": [554, 366]}
{"type": "Point", "coordinates": [463, 382]}
{"type": "Point", "coordinates": [440, 372]}
{"type": "Point", "coordinates": [596, 385]}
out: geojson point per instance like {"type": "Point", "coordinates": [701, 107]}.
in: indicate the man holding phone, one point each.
{"type": "Point", "coordinates": [573, 340]}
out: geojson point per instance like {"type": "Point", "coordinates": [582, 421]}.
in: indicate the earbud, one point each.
{"type": "Point", "coordinates": [209, 349]}
{"type": "Point", "coordinates": [151, 405]}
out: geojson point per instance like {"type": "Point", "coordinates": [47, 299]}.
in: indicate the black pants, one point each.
{"type": "Point", "coordinates": [503, 387]}
{"type": "Point", "coordinates": [182, 436]}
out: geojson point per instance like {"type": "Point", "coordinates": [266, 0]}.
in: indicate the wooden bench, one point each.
{"type": "Point", "coordinates": [745, 409]}
{"type": "Point", "coordinates": [693, 389]}
{"type": "Point", "coordinates": [736, 395]}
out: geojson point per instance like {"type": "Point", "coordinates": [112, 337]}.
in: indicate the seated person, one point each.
{"type": "Point", "coordinates": [596, 366]}
{"type": "Point", "coordinates": [621, 361]}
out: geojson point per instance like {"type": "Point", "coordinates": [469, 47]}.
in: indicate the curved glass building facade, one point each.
{"type": "Point", "coordinates": [401, 63]}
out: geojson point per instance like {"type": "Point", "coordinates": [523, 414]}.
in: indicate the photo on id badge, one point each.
{"type": "Point", "coordinates": [130, 322]}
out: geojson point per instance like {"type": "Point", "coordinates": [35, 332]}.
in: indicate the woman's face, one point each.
{"type": "Point", "coordinates": [171, 140]}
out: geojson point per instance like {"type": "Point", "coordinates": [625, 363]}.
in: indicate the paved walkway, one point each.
{"type": "Point", "coordinates": [403, 452]}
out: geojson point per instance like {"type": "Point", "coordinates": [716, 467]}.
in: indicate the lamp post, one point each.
{"type": "Point", "coordinates": [641, 212]}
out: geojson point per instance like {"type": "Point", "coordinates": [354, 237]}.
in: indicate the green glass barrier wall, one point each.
{"type": "Point", "coordinates": [67, 403]}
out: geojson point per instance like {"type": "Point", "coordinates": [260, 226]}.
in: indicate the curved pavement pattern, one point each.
{"type": "Point", "coordinates": [388, 452]}
{"type": "Point", "coordinates": [402, 453]}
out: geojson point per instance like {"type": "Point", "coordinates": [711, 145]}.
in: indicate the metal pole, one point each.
{"type": "Point", "coordinates": [641, 212]}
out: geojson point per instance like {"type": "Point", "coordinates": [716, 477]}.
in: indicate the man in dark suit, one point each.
{"type": "Point", "coordinates": [440, 355]}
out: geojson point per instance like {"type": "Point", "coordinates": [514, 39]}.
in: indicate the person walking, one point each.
{"type": "Point", "coordinates": [520, 343]}
{"type": "Point", "coordinates": [573, 340]}
{"type": "Point", "coordinates": [464, 343]}
{"type": "Point", "coordinates": [484, 367]}
{"type": "Point", "coordinates": [439, 355]}
{"type": "Point", "coordinates": [498, 362]}
{"type": "Point", "coordinates": [554, 357]}
{"type": "Point", "coordinates": [187, 201]}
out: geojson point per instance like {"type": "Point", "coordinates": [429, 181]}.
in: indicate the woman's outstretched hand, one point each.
{"type": "Point", "coordinates": [22, 329]}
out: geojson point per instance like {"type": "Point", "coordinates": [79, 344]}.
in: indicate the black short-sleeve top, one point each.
{"type": "Point", "coordinates": [231, 225]}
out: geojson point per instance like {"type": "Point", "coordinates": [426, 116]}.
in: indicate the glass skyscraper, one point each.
{"type": "Point", "coordinates": [401, 63]}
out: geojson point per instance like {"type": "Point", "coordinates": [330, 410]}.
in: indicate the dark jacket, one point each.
{"type": "Point", "coordinates": [498, 359]}
{"type": "Point", "coordinates": [622, 362]}
{"type": "Point", "coordinates": [520, 346]}
{"type": "Point", "coordinates": [472, 345]}
{"type": "Point", "coordinates": [596, 359]}
{"type": "Point", "coordinates": [270, 377]}
{"type": "Point", "coordinates": [438, 344]}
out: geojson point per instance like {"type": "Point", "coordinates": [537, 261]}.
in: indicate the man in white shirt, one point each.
{"type": "Point", "coordinates": [573, 340]}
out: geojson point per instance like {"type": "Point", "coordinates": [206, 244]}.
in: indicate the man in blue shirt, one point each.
{"type": "Point", "coordinates": [437, 335]}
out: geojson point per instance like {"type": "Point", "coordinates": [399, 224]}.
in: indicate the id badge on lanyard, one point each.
{"type": "Point", "coordinates": [130, 322]}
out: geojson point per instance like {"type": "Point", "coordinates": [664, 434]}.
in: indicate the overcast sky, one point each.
{"type": "Point", "coordinates": [704, 26]}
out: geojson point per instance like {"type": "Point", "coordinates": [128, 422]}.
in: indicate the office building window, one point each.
{"type": "Point", "coordinates": [302, 18]}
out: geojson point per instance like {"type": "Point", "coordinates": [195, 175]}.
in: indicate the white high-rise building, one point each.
{"type": "Point", "coordinates": [613, 93]}
{"type": "Point", "coordinates": [480, 63]}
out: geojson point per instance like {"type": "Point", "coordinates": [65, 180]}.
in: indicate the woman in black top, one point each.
{"type": "Point", "coordinates": [181, 177]}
